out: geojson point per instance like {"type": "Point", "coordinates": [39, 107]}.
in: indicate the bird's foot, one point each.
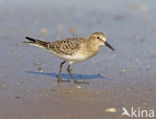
{"type": "Point", "coordinates": [81, 82]}
{"type": "Point", "coordinates": [60, 80]}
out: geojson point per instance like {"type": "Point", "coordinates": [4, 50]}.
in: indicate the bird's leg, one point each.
{"type": "Point", "coordinates": [69, 71]}
{"type": "Point", "coordinates": [60, 70]}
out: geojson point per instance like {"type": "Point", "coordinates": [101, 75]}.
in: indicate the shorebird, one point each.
{"type": "Point", "coordinates": [73, 50]}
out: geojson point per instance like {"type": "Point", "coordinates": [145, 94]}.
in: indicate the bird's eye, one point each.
{"type": "Point", "coordinates": [98, 37]}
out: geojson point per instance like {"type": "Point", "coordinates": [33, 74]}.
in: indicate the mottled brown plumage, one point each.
{"type": "Point", "coordinates": [67, 46]}
{"type": "Point", "coordinates": [73, 50]}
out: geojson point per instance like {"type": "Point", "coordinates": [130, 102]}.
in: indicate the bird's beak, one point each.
{"type": "Point", "coordinates": [108, 45]}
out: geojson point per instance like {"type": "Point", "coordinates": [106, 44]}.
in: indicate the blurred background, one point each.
{"type": "Point", "coordinates": [124, 78]}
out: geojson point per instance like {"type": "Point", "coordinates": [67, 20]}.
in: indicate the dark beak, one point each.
{"type": "Point", "coordinates": [108, 45]}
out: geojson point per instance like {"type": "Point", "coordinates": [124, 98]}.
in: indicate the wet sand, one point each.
{"type": "Point", "coordinates": [124, 78]}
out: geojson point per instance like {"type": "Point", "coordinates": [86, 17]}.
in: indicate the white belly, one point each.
{"type": "Point", "coordinates": [80, 56]}
{"type": "Point", "coordinates": [74, 58]}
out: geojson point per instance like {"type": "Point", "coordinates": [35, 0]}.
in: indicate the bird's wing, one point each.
{"type": "Point", "coordinates": [66, 46]}
{"type": "Point", "coordinates": [36, 42]}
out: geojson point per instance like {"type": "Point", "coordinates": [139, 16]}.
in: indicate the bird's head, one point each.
{"type": "Point", "coordinates": [99, 39]}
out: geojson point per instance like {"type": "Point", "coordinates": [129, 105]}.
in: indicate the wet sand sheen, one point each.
{"type": "Point", "coordinates": [28, 84]}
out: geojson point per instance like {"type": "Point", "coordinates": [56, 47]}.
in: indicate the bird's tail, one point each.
{"type": "Point", "coordinates": [36, 42]}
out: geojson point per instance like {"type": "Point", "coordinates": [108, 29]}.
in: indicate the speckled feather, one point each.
{"type": "Point", "coordinates": [67, 46]}
{"type": "Point", "coordinates": [73, 49]}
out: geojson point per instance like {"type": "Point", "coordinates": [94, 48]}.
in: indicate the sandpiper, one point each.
{"type": "Point", "coordinates": [73, 50]}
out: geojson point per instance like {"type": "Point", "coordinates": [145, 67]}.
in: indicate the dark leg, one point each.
{"type": "Point", "coordinates": [59, 76]}
{"type": "Point", "coordinates": [69, 71]}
